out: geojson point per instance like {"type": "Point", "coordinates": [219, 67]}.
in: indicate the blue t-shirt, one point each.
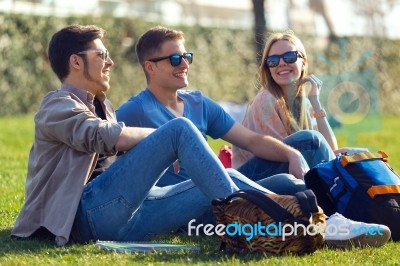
{"type": "Point", "coordinates": [144, 110]}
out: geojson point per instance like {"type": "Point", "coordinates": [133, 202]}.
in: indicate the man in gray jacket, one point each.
{"type": "Point", "coordinates": [77, 189]}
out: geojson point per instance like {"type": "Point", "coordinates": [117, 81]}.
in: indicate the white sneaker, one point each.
{"type": "Point", "coordinates": [341, 232]}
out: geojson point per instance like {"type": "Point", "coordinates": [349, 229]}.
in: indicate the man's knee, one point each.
{"type": "Point", "coordinates": [182, 121]}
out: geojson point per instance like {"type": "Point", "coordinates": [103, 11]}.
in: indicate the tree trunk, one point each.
{"type": "Point", "coordinates": [260, 26]}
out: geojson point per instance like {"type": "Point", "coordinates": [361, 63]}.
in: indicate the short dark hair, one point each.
{"type": "Point", "coordinates": [70, 40]}
{"type": "Point", "coordinates": [150, 42]}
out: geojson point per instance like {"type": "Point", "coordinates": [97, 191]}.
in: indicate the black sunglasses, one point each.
{"type": "Point", "coordinates": [289, 58]}
{"type": "Point", "coordinates": [175, 59]}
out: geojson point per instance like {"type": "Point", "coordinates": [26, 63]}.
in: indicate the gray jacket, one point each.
{"type": "Point", "coordinates": [68, 138]}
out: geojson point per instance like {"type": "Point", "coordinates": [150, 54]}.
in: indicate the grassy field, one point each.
{"type": "Point", "coordinates": [16, 136]}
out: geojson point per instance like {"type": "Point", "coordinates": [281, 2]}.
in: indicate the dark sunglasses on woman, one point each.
{"type": "Point", "coordinates": [175, 59]}
{"type": "Point", "coordinates": [288, 57]}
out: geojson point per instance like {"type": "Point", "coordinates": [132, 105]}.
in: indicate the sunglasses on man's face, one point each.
{"type": "Point", "coordinates": [288, 58]}
{"type": "Point", "coordinates": [102, 53]}
{"type": "Point", "coordinates": [175, 59]}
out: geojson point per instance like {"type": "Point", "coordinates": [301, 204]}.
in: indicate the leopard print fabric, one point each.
{"type": "Point", "coordinates": [244, 212]}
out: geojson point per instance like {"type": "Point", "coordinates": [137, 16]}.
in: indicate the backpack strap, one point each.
{"type": "Point", "coordinates": [346, 159]}
{"type": "Point", "coordinates": [268, 205]}
{"type": "Point", "coordinates": [382, 190]}
{"type": "Point", "coordinates": [320, 188]}
{"type": "Point", "coordinates": [308, 202]}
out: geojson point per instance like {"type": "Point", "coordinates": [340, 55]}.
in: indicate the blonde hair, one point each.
{"type": "Point", "coordinates": [295, 114]}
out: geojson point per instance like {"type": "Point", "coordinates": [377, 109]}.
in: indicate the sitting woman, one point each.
{"type": "Point", "coordinates": [284, 109]}
{"type": "Point", "coordinates": [283, 106]}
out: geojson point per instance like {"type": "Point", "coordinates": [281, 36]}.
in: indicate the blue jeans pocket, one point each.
{"type": "Point", "coordinates": [107, 219]}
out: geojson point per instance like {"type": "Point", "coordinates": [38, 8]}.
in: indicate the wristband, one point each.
{"type": "Point", "coordinates": [320, 114]}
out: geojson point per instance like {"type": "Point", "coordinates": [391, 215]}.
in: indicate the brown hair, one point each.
{"type": "Point", "coordinates": [295, 115]}
{"type": "Point", "coordinates": [70, 40]}
{"type": "Point", "coordinates": [150, 42]}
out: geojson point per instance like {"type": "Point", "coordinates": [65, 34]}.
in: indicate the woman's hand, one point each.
{"type": "Point", "coordinates": [313, 93]}
{"type": "Point", "coordinates": [316, 85]}
{"type": "Point", "coordinates": [319, 113]}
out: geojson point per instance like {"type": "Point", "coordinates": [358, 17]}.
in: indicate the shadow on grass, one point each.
{"type": "Point", "coordinates": [209, 250]}
{"type": "Point", "coordinates": [8, 245]}
{"type": "Point", "coordinates": [209, 253]}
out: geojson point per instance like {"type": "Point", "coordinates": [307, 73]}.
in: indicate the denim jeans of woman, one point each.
{"type": "Point", "coordinates": [310, 143]}
{"type": "Point", "coordinates": [124, 204]}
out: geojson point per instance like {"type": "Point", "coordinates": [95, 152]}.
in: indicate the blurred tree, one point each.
{"type": "Point", "coordinates": [260, 27]}
{"type": "Point", "coordinates": [319, 7]}
{"type": "Point", "coordinates": [375, 11]}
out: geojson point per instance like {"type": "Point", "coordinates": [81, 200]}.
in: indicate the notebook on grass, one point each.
{"type": "Point", "coordinates": [131, 247]}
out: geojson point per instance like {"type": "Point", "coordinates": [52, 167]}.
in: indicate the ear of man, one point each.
{"type": "Point", "coordinates": [75, 61]}
{"type": "Point", "coordinates": [148, 66]}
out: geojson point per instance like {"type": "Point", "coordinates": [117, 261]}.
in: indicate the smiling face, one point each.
{"type": "Point", "coordinates": [163, 74]}
{"type": "Point", "coordinates": [96, 68]}
{"type": "Point", "coordinates": [285, 73]}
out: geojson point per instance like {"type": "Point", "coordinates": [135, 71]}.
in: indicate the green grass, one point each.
{"type": "Point", "coordinates": [16, 136]}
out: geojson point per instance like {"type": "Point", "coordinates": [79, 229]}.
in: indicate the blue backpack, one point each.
{"type": "Point", "coordinates": [362, 187]}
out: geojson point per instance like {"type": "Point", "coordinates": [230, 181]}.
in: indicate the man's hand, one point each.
{"type": "Point", "coordinates": [298, 165]}
{"type": "Point", "coordinates": [177, 167]}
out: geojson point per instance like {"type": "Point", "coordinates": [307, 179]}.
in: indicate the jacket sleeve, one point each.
{"type": "Point", "coordinates": [63, 117]}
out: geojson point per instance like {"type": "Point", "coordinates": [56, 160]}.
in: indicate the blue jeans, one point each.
{"type": "Point", "coordinates": [283, 183]}
{"type": "Point", "coordinates": [124, 204]}
{"type": "Point", "coordinates": [310, 143]}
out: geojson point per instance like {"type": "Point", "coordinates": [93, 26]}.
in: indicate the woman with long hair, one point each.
{"type": "Point", "coordinates": [285, 104]}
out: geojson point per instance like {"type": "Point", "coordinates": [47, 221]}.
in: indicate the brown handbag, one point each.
{"type": "Point", "coordinates": [261, 223]}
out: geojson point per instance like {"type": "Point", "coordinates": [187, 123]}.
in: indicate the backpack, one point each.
{"type": "Point", "coordinates": [258, 222]}
{"type": "Point", "coordinates": [363, 187]}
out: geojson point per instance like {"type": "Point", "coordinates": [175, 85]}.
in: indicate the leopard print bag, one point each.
{"type": "Point", "coordinates": [270, 223]}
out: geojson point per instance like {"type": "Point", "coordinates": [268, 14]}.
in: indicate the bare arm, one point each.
{"type": "Point", "coordinates": [268, 148]}
{"type": "Point", "coordinates": [322, 122]}
{"type": "Point", "coordinates": [130, 136]}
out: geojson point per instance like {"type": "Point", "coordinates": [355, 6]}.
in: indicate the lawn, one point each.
{"type": "Point", "coordinates": [16, 136]}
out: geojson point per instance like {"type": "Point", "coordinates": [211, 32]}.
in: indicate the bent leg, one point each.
{"type": "Point", "coordinates": [170, 207]}
{"type": "Point", "coordinates": [283, 184]}
{"type": "Point", "coordinates": [310, 143]}
{"type": "Point", "coordinates": [112, 198]}
{"type": "Point", "coordinates": [172, 178]}
{"type": "Point", "coordinates": [312, 146]}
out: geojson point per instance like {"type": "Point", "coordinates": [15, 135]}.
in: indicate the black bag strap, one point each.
{"type": "Point", "coordinates": [320, 188]}
{"type": "Point", "coordinates": [308, 202]}
{"type": "Point", "coordinates": [271, 207]}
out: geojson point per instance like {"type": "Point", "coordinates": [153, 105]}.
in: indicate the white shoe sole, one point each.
{"type": "Point", "coordinates": [360, 241]}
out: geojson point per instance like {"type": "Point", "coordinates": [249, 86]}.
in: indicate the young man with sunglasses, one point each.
{"type": "Point", "coordinates": [165, 62]}
{"type": "Point", "coordinates": [75, 187]}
